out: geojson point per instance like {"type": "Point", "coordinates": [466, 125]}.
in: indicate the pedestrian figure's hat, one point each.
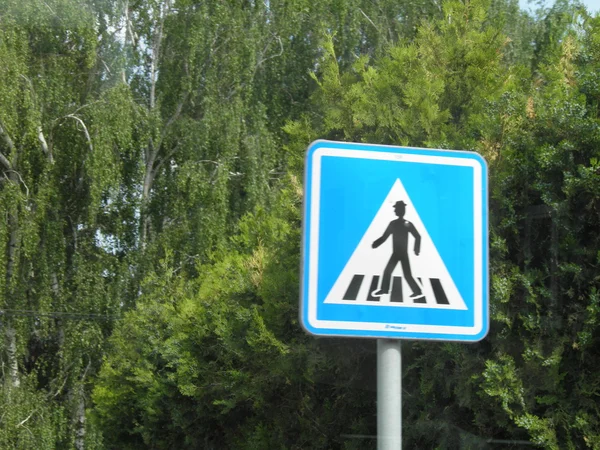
{"type": "Point", "coordinates": [399, 203]}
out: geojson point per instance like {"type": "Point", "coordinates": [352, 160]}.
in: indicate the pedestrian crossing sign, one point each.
{"type": "Point", "coordinates": [394, 243]}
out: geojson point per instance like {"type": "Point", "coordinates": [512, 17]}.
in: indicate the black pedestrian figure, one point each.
{"type": "Point", "coordinates": [399, 230]}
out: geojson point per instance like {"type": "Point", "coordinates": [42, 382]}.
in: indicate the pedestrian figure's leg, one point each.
{"type": "Point", "coordinates": [408, 275]}
{"type": "Point", "coordinates": [387, 275]}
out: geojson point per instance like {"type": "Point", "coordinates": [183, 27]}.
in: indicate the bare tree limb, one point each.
{"type": "Point", "coordinates": [219, 164]}
{"type": "Point", "coordinates": [26, 419]}
{"type": "Point", "coordinates": [128, 28]}
{"type": "Point", "coordinates": [8, 142]}
{"type": "Point", "coordinates": [87, 368]}
{"type": "Point", "coordinates": [165, 159]}
{"type": "Point", "coordinates": [20, 178]}
{"type": "Point", "coordinates": [368, 18]}
{"type": "Point", "coordinates": [10, 335]}
{"type": "Point", "coordinates": [85, 130]}
{"type": "Point", "coordinates": [153, 149]}
{"type": "Point", "coordinates": [263, 60]}
{"type": "Point", "coordinates": [41, 137]}
{"type": "Point", "coordinates": [158, 37]}
{"type": "Point", "coordinates": [87, 105]}
{"type": "Point", "coordinates": [44, 145]}
{"type": "Point", "coordinates": [176, 114]}
{"type": "Point", "coordinates": [59, 390]}
{"type": "Point", "coordinates": [5, 162]}
{"type": "Point", "coordinates": [55, 286]}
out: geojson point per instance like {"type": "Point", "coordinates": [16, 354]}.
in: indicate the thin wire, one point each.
{"type": "Point", "coordinates": [58, 314]}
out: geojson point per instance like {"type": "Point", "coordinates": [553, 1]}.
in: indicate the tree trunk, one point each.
{"type": "Point", "coordinates": [10, 336]}
{"type": "Point", "coordinates": [152, 150]}
{"type": "Point", "coordinates": [11, 251]}
{"type": "Point", "coordinates": [148, 180]}
{"type": "Point", "coordinates": [80, 420]}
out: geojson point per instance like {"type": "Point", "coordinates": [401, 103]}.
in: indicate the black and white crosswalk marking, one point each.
{"type": "Point", "coordinates": [361, 289]}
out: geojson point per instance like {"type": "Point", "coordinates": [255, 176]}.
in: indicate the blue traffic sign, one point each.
{"type": "Point", "coordinates": [395, 243]}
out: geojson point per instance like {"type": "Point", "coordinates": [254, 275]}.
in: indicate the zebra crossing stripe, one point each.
{"type": "Point", "coordinates": [396, 296]}
{"type": "Point", "coordinates": [374, 284]}
{"type": "Point", "coordinates": [356, 283]}
{"type": "Point", "coordinates": [438, 291]}
{"type": "Point", "coordinates": [354, 287]}
{"type": "Point", "coordinates": [422, 298]}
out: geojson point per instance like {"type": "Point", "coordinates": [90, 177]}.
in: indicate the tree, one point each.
{"type": "Point", "coordinates": [150, 152]}
{"type": "Point", "coordinates": [537, 133]}
{"type": "Point", "coordinates": [61, 173]}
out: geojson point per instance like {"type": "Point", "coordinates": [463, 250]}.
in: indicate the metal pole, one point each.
{"type": "Point", "coordinates": [389, 394]}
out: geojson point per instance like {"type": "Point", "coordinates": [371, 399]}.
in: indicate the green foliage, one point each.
{"type": "Point", "coordinates": [151, 152]}
{"type": "Point", "coordinates": [221, 352]}
{"type": "Point", "coordinates": [29, 418]}
{"type": "Point", "coordinates": [420, 92]}
{"type": "Point", "coordinates": [539, 134]}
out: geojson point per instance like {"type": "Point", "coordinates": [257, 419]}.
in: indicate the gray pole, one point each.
{"type": "Point", "coordinates": [389, 394]}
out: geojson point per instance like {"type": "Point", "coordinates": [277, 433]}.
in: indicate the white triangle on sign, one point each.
{"type": "Point", "coordinates": [362, 276]}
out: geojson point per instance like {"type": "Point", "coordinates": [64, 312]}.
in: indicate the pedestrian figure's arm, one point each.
{"type": "Point", "coordinates": [382, 239]}
{"type": "Point", "coordinates": [417, 236]}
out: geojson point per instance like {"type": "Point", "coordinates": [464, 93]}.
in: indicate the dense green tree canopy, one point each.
{"type": "Point", "coordinates": [151, 153]}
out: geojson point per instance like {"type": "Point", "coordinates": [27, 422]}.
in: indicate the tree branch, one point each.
{"type": "Point", "coordinates": [368, 18]}
{"type": "Point", "coordinates": [85, 130]}
{"type": "Point", "coordinates": [20, 178]}
{"type": "Point", "coordinates": [8, 142]}
{"type": "Point", "coordinates": [128, 28]}
{"type": "Point", "coordinates": [44, 145]}
{"type": "Point", "coordinates": [26, 419]}
{"type": "Point", "coordinates": [89, 364]}
{"type": "Point", "coordinates": [158, 37]}
{"type": "Point", "coordinates": [263, 60]}
{"type": "Point", "coordinates": [5, 162]}
{"type": "Point", "coordinates": [176, 114]}
{"type": "Point", "coordinates": [165, 159]}
{"type": "Point", "coordinates": [219, 165]}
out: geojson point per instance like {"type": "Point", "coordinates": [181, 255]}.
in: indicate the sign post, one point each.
{"type": "Point", "coordinates": [389, 394]}
{"type": "Point", "coordinates": [395, 246]}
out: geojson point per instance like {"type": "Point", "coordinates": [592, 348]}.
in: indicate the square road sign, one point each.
{"type": "Point", "coordinates": [395, 243]}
